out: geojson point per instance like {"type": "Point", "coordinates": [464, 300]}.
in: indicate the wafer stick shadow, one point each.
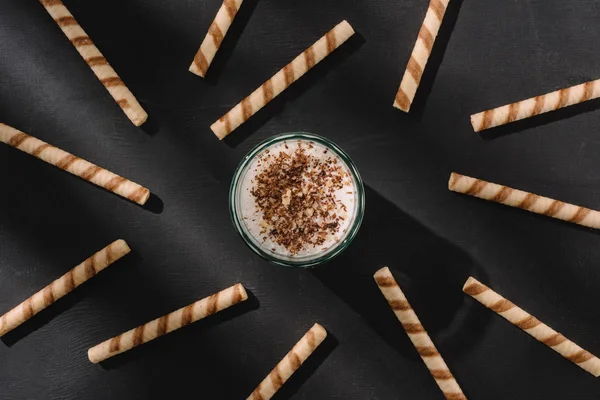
{"type": "Point", "coordinates": [229, 42]}
{"type": "Point", "coordinates": [430, 270]}
{"type": "Point", "coordinates": [178, 336]}
{"type": "Point", "coordinates": [66, 303]}
{"type": "Point", "coordinates": [277, 105]}
{"type": "Point", "coordinates": [151, 126]}
{"type": "Point", "coordinates": [436, 58]}
{"type": "Point", "coordinates": [295, 383]}
{"type": "Point", "coordinates": [154, 204]}
{"type": "Point", "coordinates": [540, 120]}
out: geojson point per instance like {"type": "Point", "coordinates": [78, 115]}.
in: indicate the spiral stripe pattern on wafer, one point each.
{"type": "Point", "coordinates": [290, 363]}
{"type": "Point", "coordinates": [63, 285]}
{"type": "Point", "coordinates": [216, 33]}
{"type": "Point", "coordinates": [74, 165]}
{"type": "Point", "coordinates": [418, 335]}
{"type": "Point", "coordinates": [524, 200]}
{"type": "Point", "coordinates": [282, 80]}
{"type": "Point", "coordinates": [420, 54]}
{"type": "Point", "coordinates": [536, 105]}
{"type": "Point", "coordinates": [96, 61]}
{"type": "Point", "coordinates": [532, 326]}
{"type": "Point", "coordinates": [168, 323]}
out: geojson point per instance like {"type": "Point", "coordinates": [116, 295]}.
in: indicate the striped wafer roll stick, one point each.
{"type": "Point", "coordinates": [282, 80]}
{"type": "Point", "coordinates": [524, 200]}
{"type": "Point", "coordinates": [213, 39]}
{"type": "Point", "coordinates": [532, 326]}
{"type": "Point", "coordinates": [96, 61]}
{"type": "Point", "coordinates": [536, 105]}
{"type": "Point", "coordinates": [417, 335]}
{"type": "Point", "coordinates": [420, 54]}
{"type": "Point", "coordinates": [74, 165]}
{"type": "Point", "coordinates": [290, 363]}
{"type": "Point", "coordinates": [63, 286]}
{"type": "Point", "coordinates": [168, 323]}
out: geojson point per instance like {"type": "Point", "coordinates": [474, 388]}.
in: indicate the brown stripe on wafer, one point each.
{"type": "Point", "coordinates": [211, 307]}
{"type": "Point", "coordinates": [538, 106]}
{"type": "Point", "coordinates": [162, 325]}
{"type": "Point", "coordinates": [486, 120]}
{"type": "Point", "coordinates": [289, 74]}
{"type": "Point", "coordinates": [528, 201]}
{"type": "Point", "coordinates": [554, 208]}
{"type": "Point", "coordinates": [90, 267]}
{"type": "Point", "coordinates": [231, 8]}
{"type": "Point", "coordinates": [441, 374]}
{"type": "Point", "coordinates": [112, 82]}
{"type": "Point", "coordinates": [414, 69]}
{"type": "Point", "coordinates": [69, 281]}
{"type": "Point", "coordinates": [476, 187]}
{"type": "Point", "coordinates": [267, 89]}
{"type": "Point", "coordinates": [331, 41]}
{"type": "Point", "coordinates": [455, 396]}
{"type": "Point", "coordinates": [201, 62]}
{"type": "Point", "coordinates": [27, 309]}
{"type": "Point", "coordinates": [427, 38]}
{"type": "Point", "coordinates": [438, 8]}
{"type": "Point", "coordinates": [138, 335]}
{"type": "Point", "coordinates": [123, 103]}
{"type": "Point", "coordinates": [66, 21]}
{"type": "Point", "coordinates": [502, 194]}
{"type": "Point", "coordinates": [580, 215]}
{"type": "Point", "coordinates": [402, 100]}
{"type": "Point", "coordinates": [216, 33]}
{"type": "Point", "coordinates": [427, 351]}
{"type": "Point", "coordinates": [187, 314]}
{"type": "Point", "coordinates": [276, 378]}
{"type": "Point", "coordinates": [94, 61]}
{"type": "Point", "coordinates": [294, 360]}
{"type": "Point", "coordinates": [246, 108]}
{"type": "Point", "coordinates": [554, 340]}
{"type": "Point", "coordinates": [18, 139]}
{"type": "Point", "coordinates": [109, 253]}
{"type": "Point", "coordinates": [528, 323]}
{"type": "Point", "coordinates": [580, 357]}
{"type": "Point", "coordinates": [138, 195]}
{"type": "Point", "coordinates": [39, 149]}
{"type": "Point", "coordinates": [399, 305]}
{"type": "Point", "coordinates": [501, 306]}
{"type": "Point", "coordinates": [114, 183]}
{"type": "Point", "coordinates": [115, 344]}
{"type": "Point", "coordinates": [51, 2]}
{"type": "Point", "coordinates": [513, 112]}
{"type": "Point", "coordinates": [588, 91]}
{"type": "Point", "coordinates": [413, 328]}
{"type": "Point", "coordinates": [257, 396]}
{"type": "Point", "coordinates": [309, 57]}
{"type": "Point", "coordinates": [310, 338]}
{"type": "Point", "coordinates": [48, 294]}
{"type": "Point", "coordinates": [66, 162]}
{"type": "Point", "coordinates": [563, 98]}
{"type": "Point", "coordinates": [385, 281]}
{"type": "Point", "coordinates": [89, 173]}
{"type": "Point", "coordinates": [475, 288]}
{"type": "Point", "coordinates": [454, 178]}
{"type": "Point", "coordinates": [81, 41]}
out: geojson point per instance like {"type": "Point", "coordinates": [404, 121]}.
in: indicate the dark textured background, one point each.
{"type": "Point", "coordinates": [489, 53]}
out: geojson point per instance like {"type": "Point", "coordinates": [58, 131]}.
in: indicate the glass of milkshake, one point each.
{"type": "Point", "coordinates": [297, 199]}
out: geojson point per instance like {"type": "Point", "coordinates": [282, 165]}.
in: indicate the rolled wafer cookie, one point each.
{"type": "Point", "coordinates": [532, 326]}
{"type": "Point", "coordinates": [290, 363]}
{"type": "Point", "coordinates": [63, 286]}
{"type": "Point", "coordinates": [74, 165]}
{"type": "Point", "coordinates": [216, 33]}
{"type": "Point", "coordinates": [282, 80]}
{"type": "Point", "coordinates": [536, 105]}
{"type": "Point", "coordinates": [420, 54]}
{"type": "Point", "coordinates": [168, 323]}
{"type": "Point", "coordinates": [96, 61]}
{"type": "Point", "coordinates": [418, 335]}
{"type": "Point", "coordinates": [524, 200]}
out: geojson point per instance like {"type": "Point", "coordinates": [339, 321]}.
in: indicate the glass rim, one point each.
{"type": "Point", "coordinates": [339, 247]}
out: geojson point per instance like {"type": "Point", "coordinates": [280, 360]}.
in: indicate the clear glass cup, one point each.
{"type": "Point", "coordinates": [296, 261]}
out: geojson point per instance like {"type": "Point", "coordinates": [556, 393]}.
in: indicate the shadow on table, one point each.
{"type": "Point", "coordinates": [430, 270]}
{"type": "Point", "coordinates": [297, 88]}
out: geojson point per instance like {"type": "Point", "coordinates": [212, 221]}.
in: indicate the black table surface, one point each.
{"type": "Point", "coordinates": [489, 53]}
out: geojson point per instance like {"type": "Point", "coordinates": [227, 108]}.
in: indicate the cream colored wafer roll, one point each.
{"type": "Point", "coordinates": [420, 54]}
{"type": "Point", "coordinates": [168, 323]}
{"type": "Point", "coordinates": [63, 286]}
{"type": "Point", "coordinates": [282, 80]}
{"type": "Point", "coordinates": [418, 335]}
{"type": "Point", "coordinates": [536, 105]}
{"type": "Point", "coordinates": [216, 33]}
{"type": "Point", "coordinates": [532, 326]}
{"type": "Point", "coordinates": [96, 61]}
{"type": "Point", "coordinates": [290, 363]}
{"type": "Point", "coordinates": [74, 165]}
{"type": "Point", "coordinates": [524, 200]}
